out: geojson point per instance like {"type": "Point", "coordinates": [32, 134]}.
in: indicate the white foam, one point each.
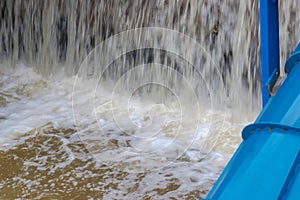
{"type": "Point", "coordinates": [36, 101]}
{"type": "Point", "coordinates": [52, 102]}
{"type": "Point", "coordinates": [139, 136]}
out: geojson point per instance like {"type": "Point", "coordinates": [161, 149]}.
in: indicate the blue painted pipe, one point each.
{"type": "Point", "coordinates": [267, 163]}
{"type": "Point", "coordinates": [269, 30]}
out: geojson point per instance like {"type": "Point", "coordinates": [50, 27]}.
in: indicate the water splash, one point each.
{"type": "Point", "coordinates": [59, 39]}
{"type": "Point", "coordinates": [59, 34]}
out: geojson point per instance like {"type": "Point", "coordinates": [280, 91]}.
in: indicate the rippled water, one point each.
{"type": "Point", "coordinates": [44, 155]}
{"type": "Point", "coordinates": [152, 124]}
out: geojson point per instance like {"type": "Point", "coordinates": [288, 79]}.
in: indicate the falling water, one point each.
{"type": "Point", "coordinates": [127, 99]}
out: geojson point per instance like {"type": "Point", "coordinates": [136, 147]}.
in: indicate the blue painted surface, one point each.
{"type": "Point", "coordinates": [267, 163]}
{"type": "Point", "coordinates": [293, 59]}
{"type": "Point", "coordinates": [269, 45]}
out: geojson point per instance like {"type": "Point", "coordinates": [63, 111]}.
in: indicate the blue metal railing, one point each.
{"type": "Point", "coordinates": [269, 46]}
{"type": "Point", "coordinates": [267, 163]}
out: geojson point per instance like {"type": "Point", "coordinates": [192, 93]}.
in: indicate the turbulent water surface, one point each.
{"type": "Point", "coordinates": [88, 111]}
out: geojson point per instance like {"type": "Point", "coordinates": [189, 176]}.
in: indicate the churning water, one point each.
{"type": "Point", "coordinates": [127, 99]}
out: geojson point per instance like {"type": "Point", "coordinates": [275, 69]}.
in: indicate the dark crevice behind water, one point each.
{"type": "Point", "coordinates": [46, 34]}
{"type": "Point", "coordinates": [50, 35]}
